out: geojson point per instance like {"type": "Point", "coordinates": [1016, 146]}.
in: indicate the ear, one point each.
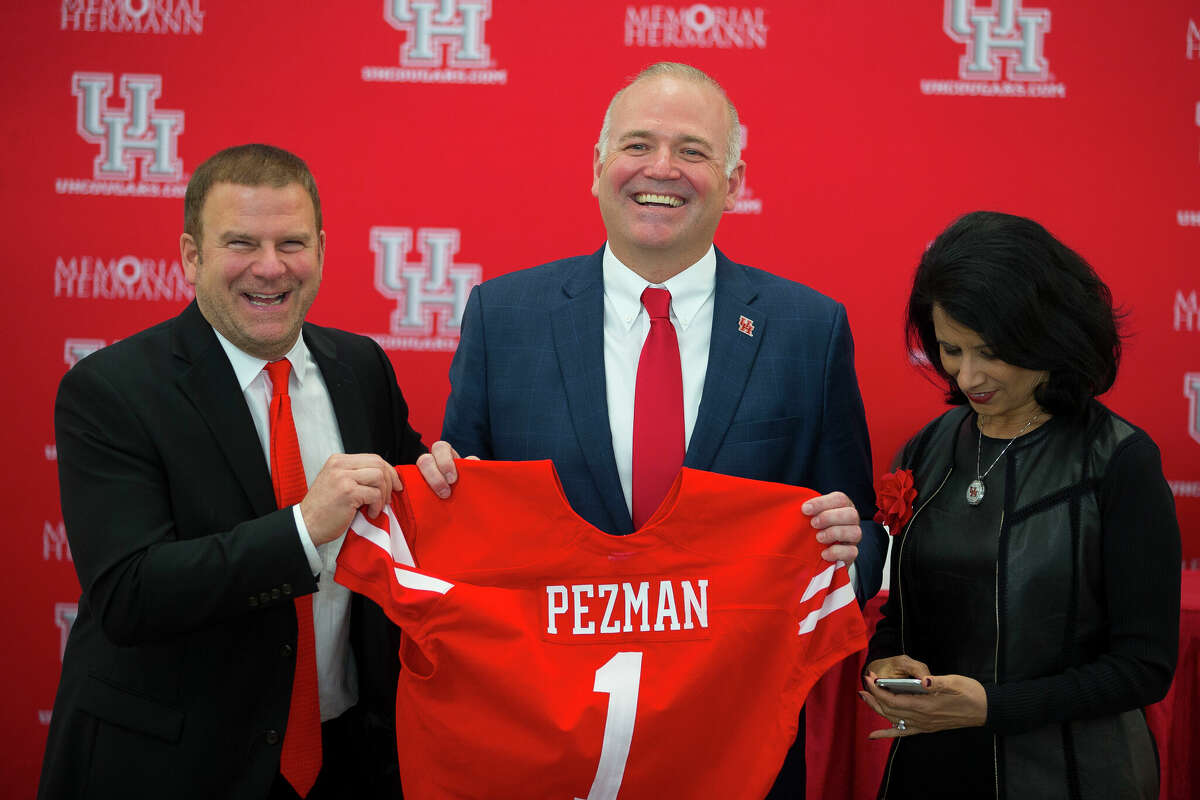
{"type": "Point", "coordinates": [737, 180]}
{"type": "Point", "coordinates": [321, 250]}
{"type": "Point", "coordinates": [189, 254]}
{"type": "Point", "coordinates": [597, 166]}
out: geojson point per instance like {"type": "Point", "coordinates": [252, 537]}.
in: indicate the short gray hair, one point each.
{"type": "Point", "coordinates": [733, 146]}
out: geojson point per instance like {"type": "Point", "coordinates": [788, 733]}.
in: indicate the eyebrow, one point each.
{"type": "Point", "coordinates": [229, 236]}
{"type": "Point", "coordinates": [984, 346]}
{"type": "Point", "coordinates": [688, 139]}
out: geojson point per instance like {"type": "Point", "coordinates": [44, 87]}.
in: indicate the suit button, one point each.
{"type": "Point", "coordinates": [253, 601]}
{"type": "Point", "coordinates": [287, 588]}
{"type": "Point", "coordinates": [274, 594]}
{"type": "Point", "coordinates": [286, 651]}
{"type": "Point", "coordinates": [272, 737]}
{"type": "Point", "coordinates": [264, 597]}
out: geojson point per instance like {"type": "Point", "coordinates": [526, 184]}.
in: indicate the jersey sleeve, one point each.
{"type": "Point", "coordinates": [831, 626]}
{"type": "Point", "coordinates": [375, 560]}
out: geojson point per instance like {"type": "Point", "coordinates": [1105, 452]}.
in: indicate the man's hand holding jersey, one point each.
{"type": "Point", "coordinates": [836, 521]}
{"type": "Point", "coordinates": [437, 467]}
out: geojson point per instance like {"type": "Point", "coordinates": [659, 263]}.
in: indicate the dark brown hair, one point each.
{"type": "Point", "coordinates": [246, 165]}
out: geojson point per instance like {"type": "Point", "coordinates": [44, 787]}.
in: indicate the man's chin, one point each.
{"type": "Point", "coordinates": [655, 236]}
{"type": "Point", "coordinates": [269, 341]}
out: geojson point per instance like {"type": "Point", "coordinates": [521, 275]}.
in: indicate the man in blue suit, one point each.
{"type": "Point", "coordinates": [547, 362]}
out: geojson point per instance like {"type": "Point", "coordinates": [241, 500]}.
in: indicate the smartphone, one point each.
{"type": "Point", "coordinates": [902, 685]}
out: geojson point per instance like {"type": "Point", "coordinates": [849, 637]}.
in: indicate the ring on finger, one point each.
{"type": "Point", "coordinates": [901, 725]}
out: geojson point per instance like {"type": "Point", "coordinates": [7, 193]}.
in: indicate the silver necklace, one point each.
{"type": "Point", "coordinates": [976, 489]}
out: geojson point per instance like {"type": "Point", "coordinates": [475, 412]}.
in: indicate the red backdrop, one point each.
{"type": "Point", "coordinates": [452, 141]}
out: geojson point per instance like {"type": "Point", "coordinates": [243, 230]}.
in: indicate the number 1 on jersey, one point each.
{"type": "Point", "coordinates": [619, 678]}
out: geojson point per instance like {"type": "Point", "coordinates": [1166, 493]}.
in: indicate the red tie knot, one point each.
{"type": "Point", "coordinates": [657, 302]}
{"type": "Point", "coordinates": [279, 372]}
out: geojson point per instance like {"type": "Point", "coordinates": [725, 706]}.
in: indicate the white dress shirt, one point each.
{"type": "Point", "coordinates": [626, 325]}
{"type": "Point", "coordinates": [317, 430]}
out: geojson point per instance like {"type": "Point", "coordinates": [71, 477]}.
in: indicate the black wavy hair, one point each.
{"type": "Point", "coordinates": [1035, 302]}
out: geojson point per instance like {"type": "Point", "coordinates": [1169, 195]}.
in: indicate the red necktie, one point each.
{"type": "Point", "coordinates": [657, 410]}
{"type": "Point", "coordinates": [301, 758]}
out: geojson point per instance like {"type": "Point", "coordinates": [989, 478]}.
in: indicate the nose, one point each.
{"type": "Point", "coordinates": [662, 164]}
{"type": "Point", "coordinates": [968, 376]}
{"type": "Point", "coordinates": [270, 265]}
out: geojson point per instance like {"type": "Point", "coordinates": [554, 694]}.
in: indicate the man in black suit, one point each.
{"type": "Point", "coordinates": [179, 669]}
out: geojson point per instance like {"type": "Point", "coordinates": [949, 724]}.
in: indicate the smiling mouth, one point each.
{"type": "Point", "coordinates": [980, 397]}
{"type": "Point", "coordinates": [265, 299]}
{"type": "Point", "coordinates": [648, 199]}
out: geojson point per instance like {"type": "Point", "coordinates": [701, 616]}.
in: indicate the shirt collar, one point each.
{"type": "Point", "coordinates": [247, 367]}
{"type": "Point", "coordinates": [689, 289]}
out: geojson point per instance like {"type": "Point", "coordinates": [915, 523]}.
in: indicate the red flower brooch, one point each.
{"type": "Point", "coordinates": [895, 494]}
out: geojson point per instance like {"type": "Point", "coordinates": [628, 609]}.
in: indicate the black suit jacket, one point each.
{"type": "Point", "coordinates": [178, 670]}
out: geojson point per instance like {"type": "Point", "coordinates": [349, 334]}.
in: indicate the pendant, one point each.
{"type": "Point", "coordinates": [975, 492]}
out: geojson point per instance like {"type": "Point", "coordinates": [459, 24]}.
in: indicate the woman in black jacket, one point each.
{"type": "Point", "coordinates": [1035, 571]}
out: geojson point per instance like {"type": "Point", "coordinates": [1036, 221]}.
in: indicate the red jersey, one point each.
{"type": "Point", "coordinates": [546, 659]}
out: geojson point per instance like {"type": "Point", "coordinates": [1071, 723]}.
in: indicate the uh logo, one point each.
{"type": "Point", "coordinates": [76, 349]}
{"type": "Point", "coordinates": [430, 24]}
{"type": "Point", "coordinates": [138, 131]}
{"type": "Point", "coordinates": [1191, 390]}
{"type": "Point", "coordinates": [431, 286]}
{"type": "Point", "coordinates": [1004, 31]}
{"type": "Point", "coordinates": [64, 619]}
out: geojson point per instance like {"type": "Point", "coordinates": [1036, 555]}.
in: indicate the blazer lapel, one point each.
{"type": "Point", "coordinates": [207, 379]}
{"type": "Point", "coordinates": [344, 391]}
{"type": "Point", "coordinates": [737, 330]}
{"type": "Point", "coordinates": [578, 327]}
